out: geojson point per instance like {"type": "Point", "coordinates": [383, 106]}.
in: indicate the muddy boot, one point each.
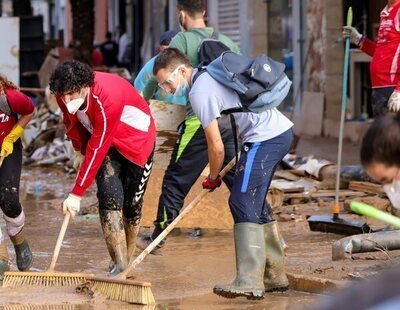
{"type": "Point", "coordinates": [274, 276]}
{"type": "Point", "coordinates": [3, 258]}
{"type": "Point", "coordinates": [131, 232]}
{"type": "Point", "coordinates": [250, 263]}
{"type": "Point", "coordinates": [143, 241]}
{"type": "Point", "coordinates": [114, 235]}
{"type": "Point", "coordinates": [22, 251]}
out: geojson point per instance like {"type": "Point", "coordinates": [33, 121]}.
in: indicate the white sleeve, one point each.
{"type": "Point", "coordinates": [205, 106]}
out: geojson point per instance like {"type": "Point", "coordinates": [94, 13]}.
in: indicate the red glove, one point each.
{"type": "Point", "coordinates": [211, 184]}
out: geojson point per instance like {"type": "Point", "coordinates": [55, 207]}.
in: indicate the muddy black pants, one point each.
{"type": "Point", "coordinates": [121, 185]}
{"type": "Point", "coordinates": [380, 100]}
{"type": "Point", "coordinates": [10, 176]}
{"type": "Point", "coordinates": [189, 158]}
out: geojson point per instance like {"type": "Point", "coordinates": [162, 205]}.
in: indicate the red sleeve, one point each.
{"type": "Point", "coordinates": [104, 128]}
{"type": "Point", "coordinates": [19, 102]}
{"type": "Point", "coordinates": [368, 46]}
{"type": "Point", "coordinates": [74, 130]}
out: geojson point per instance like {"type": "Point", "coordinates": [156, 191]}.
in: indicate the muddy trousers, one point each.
{"type": "Point", "coordinates": [380, 100]}
{"type": "Point", "coordinates": [189, 158]}
{"type": "Point", "coordinates": [256, 166]}
{"type": "Point", "coordinates": [121, 186]}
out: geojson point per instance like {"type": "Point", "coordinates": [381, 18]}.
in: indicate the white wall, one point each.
{"type": "Point", "coordinates": [9, 51]}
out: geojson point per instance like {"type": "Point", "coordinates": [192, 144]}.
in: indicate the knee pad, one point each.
{"type": "Point", "coordinates": [14, 225]}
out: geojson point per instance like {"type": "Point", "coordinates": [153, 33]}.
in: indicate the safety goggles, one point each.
{"type": "Point", "coordinates": [168, 83]}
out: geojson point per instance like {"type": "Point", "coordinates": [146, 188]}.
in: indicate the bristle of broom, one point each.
{"type": "Point", "coordinates": [15, 279]}
{"type": "Point", "coordinates": [124, 290]}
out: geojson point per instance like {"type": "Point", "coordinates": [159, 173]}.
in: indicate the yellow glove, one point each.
{"type": "Point", "coordinates": [8, 142]}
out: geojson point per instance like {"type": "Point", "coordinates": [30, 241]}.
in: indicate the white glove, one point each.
{"type": "Point", "coordinates": [353, 34]}
{"type": "Point", "coordinates": [78, 160]}
{"type": "Point", "coordinates": [394, 102]}
{"type": "Point", "coordinates": [72, 204]}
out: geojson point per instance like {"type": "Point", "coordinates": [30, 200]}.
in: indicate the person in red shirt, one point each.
{"type": "Point", "coordinates": [385, 64]}
{"type": "Point", "coordinates": [113, 134]}
{"type": "Point", "coordinates": [16, 110]}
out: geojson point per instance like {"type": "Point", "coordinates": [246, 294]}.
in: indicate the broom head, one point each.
{"type": "Point", "coordinates": [15, 279]}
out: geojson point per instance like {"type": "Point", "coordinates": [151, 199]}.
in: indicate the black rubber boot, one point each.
{"type": "Point", "coordinates": [250, 263]}
{"type": "Point", "coordinates": [144, 241]}
{"type": "Point", "coordinates": [4, 266]}
{"type": "Point", "coordinates": [114, 236]}
{"type": "Point", "coordinates": [274, 276]}
{"type": "Point", "coordinates": [22, 251]}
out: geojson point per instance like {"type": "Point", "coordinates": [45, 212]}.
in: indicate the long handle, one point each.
{"type": "Point", "coordinates": [171, 226]}
{"type": "Point", "coordinates": [59, 241]}
{"type": "Point", "coordinates": [336, 208]}
{"type": "Point", "coordinates": [369, 211]}
{"type": "Point", "coordinates": [1, 160]}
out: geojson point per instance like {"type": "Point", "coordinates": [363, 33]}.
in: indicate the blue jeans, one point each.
{"type": "Point", "coordinates": [254, 171]}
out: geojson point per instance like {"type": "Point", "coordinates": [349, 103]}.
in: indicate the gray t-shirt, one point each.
{"type": "Point", "coordinates": [209, 98]}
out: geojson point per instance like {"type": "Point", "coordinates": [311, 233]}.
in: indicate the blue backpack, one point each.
{"type": "Point", "coordinates": [261, 83]}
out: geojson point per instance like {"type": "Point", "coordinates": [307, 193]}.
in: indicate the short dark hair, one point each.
{"type": "Point", "coordinates": [109, 35]}
{"type": "Point", "coordinates": [192, 7]}
{"type": "Point", "coordinates": [71, 76]}
{"type": "Point", "coordinates": [381, 142]}
{"type": "Point", "coordinates": [170, 59]}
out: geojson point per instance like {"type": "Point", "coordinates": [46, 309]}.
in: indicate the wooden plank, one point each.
{"type": "Point", "coordinates": [287, 186]}
{"type": "Point", "coordinates": [325, 194]}
{"type": "Point", "coordinates": [284, 174]}
{"type": "Point", "coordinates": [311, 284]}
{"type": "Point", "coordinates": [366, 187]}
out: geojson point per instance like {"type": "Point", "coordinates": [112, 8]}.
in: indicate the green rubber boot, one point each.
{"type": "Point", "coordinates": [274, 276]}
{"type": "Point", "coordinates": [131, 232]}
{"type": "Point", "coordinates": [250, 263]}
{"type": "Point", "coordinates": [114, 236]}
{"type": "Point", "coordinates": [22, 251]}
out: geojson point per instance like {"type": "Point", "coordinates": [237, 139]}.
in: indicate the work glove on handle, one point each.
{"type": "Point", "coordinates": [353, 34]}
{"type": "Point", "coordinates": [212, 184]}
{"type": "Point", "coordinates": [72, 204]}
{"type": "Point", "coordinates": [78, 160]}
{"type": "Point", "coordinates": [394, 101]}
{"type": "Point", "coordinates": [7, 146]}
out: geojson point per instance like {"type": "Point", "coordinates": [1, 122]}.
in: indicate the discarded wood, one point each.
{"type": "Point", "coordinates": [275, 197]}
{"type": "Point", "coordinates": [311, 284]}
{"type": "Point", "coordinates": [300, 173]}
{"type": "Point", "coordinates": [287, 186]}
{"type": "Point", "coordinates": [366, 187]}
{"type": "Point", "coordinates": [284, 174]}
{"type": "Point", "coordinates": [327, 193]}
{"type": "Point", "coordinates": [382, 204]}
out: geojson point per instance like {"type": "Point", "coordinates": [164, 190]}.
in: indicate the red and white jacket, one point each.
{"type": "Point", "coordinates": [20, 104]}
{"type": "Point", "coordinates": [115, 116]}
{"type": "Point", "coordinates": [385, 64]}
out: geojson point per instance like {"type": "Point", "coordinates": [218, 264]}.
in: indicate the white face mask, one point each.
{"type": "Point", "coordinates": [74, 105]}
{"type": "Point", "coordinates": [393, 192]}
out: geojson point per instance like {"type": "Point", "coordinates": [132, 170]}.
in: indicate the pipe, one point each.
{"type": "Point", "coordinates": [384, 240]}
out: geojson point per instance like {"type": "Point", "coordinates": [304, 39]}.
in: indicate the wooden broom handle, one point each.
{"type": "Point", "coordinates": [171, 226]}
{"type": "Point", "coordinates": [59, 241]}
{"type": "Point", "coordinates": [1, 160]}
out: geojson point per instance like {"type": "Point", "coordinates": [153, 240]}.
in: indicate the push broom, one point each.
{"type": "Point", "coordinates": [335, 224]}
{"type": "Point", "coordinates": [50, 277]}
{"type": "Point", "coordinates": [119, 288]}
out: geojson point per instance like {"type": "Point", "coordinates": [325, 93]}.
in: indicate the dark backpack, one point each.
{"type": "Point", "coordinates": [210, 48]}
{"type": "Point", "coordinates": [261, 83]}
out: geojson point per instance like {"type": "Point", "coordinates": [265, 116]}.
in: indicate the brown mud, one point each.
{"type": "Point", "coordinates": [184, 276]}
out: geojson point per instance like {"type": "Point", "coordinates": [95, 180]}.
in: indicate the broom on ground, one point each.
{"type": "Point", "coordinates": [121, 289]}
{"type": "Point", "coordinates": [50, 277]}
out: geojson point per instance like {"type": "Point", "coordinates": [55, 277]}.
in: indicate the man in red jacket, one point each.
{"type": "Point", "coordinates": [385, 64]}
{"type": "Point", "coordinates": [113, 134]}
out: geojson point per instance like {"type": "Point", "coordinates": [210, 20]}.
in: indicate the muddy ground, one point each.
{"type": "Point", "coordinates": [184, 276]}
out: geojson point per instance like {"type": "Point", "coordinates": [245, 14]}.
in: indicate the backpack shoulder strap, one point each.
{"type": "Point", "coordinates": [200, 71]}
{"type": "Point", "coordinates": [4, 105]}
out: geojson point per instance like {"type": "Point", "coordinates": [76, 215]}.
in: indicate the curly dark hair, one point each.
{"type": "Point", "coordinates": [192, 7]}
{"type": "Point", "coordinates": [71, 76]}
{"type": "Point", "coordinates": [381, 142]}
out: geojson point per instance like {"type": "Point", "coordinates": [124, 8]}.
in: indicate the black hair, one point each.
{"type": "Point", "coordinates": [109, 35]}
{"type": "Point", "coordinates": [381, 142]}
{"type": "Point", "coordinates": [71, 76]}
{"type": "Point", "coordinates": [192, 7]}
{"type": "Point", "coordinates": [170, 59]}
